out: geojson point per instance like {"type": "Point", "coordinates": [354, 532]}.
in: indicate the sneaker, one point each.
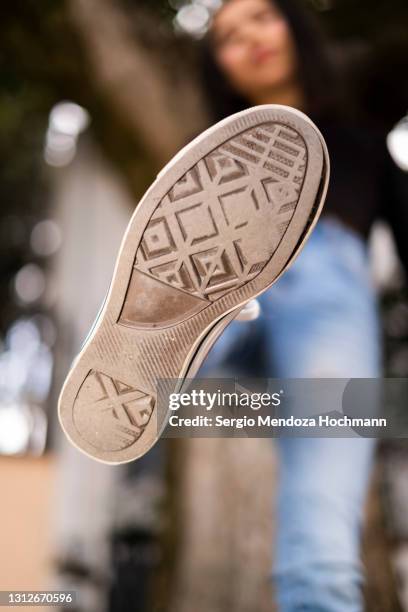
{"type": "Point", "coordinates": [220, 224]}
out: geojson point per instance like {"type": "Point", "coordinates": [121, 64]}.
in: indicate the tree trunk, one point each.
{"type": "Point", "coordinates": [132, 79]}
{"type": "Point", "coordinates": [225, 504]}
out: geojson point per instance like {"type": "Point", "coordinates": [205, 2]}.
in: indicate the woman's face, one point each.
{"type": "Point", "coordinates": [254, 47]}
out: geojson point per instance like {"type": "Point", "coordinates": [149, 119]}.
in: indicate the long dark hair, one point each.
{"type": "Point", "coordinates": [316, 74]}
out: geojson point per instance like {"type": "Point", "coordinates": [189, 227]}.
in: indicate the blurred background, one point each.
{"type": "Point", "coordinates": [95, 97]}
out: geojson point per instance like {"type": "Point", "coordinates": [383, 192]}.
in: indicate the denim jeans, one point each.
{"type": "Point", "coordinates": [319, 320]}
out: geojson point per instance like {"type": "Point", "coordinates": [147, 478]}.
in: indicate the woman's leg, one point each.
{"type": "Point", "coordinates": [319, 514]}
{"type": "Point", "coordinates": [238, 351]}
{"type": "Point", "coordinates": [322, 322]}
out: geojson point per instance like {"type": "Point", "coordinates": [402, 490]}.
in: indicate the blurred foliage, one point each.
{"type": "Point", "coordinates": [41, 63]}
{"type": "Point", "coordinates": [35, 71]}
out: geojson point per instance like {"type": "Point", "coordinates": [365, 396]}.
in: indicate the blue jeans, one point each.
{"type": "Point", "coordinates": [319, 320]}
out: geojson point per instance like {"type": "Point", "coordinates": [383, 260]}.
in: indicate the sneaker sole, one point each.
{"type": "Point", "coordinates": [221, 222]}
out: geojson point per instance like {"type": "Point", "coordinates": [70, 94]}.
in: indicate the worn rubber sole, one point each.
{"type": "Point", "coordinates": [222, 221]}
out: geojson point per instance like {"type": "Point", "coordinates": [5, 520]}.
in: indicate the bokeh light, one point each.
{"type": "Point", "coordinates": [14, 430]}
{"type": "Point", "coordinates": [29, 283]}
{"type": "Point", "coordinates": [397, 142]}
{"type": "Point", "coordinates": [45, 238]}
{"type": "Point", "coordinates": [66, 122]}
{"type": "Point", "coordinates": [194, 17]}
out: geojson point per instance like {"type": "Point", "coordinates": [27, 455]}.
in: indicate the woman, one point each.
{"type": "Point", "coordinates": [320, 319]}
